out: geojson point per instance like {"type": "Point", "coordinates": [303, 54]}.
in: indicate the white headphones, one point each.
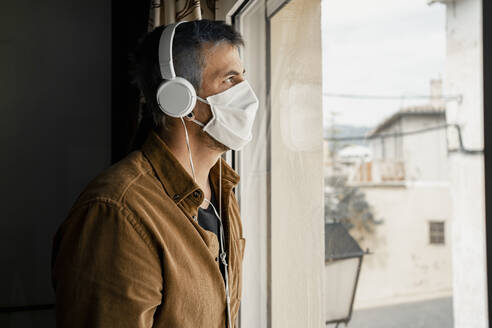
{"type": "Point", "coordinates": [176, 96]}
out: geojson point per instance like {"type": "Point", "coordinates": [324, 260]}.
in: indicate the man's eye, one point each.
{"type": "Point", "coordinates": [229, 79]}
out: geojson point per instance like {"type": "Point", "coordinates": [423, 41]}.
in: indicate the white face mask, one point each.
{"type": "Point", "coordinates": [233, 115]}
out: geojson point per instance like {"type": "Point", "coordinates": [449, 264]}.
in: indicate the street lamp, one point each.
{"type": "Point", "coordinates": [343, 259]}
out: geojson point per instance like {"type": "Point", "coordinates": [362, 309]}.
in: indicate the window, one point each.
{"type": "Point", "coordinates": [397, 75]}
{"type": "Point", "coordinates": [436, 233]}
{"type": "Point", "coordinates": [282, 168]}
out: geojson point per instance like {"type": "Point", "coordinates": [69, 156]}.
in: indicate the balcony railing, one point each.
{"type": "Point", "coordinates": [378, 171]}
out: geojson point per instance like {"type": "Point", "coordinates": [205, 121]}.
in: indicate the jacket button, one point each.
{"type": "Point", "coordinates": [196, 194]}
{"type": "Point", "coordinates": [216, 259]}
{"type": "Point", "coordinates": [176, 197]}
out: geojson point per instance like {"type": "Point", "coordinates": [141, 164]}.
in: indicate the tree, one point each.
{"type": "Point", "coordinates": [348, 205]}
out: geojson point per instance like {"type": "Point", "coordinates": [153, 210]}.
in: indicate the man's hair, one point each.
{"type": "Point", "coordinates": [188, 59]}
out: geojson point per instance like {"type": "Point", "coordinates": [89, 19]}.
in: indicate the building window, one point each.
{"type": "Point", "coordinates": [436, 232]}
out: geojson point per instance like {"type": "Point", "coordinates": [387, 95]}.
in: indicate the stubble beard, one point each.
{"type": "Point", "coordinates": [211, 143]}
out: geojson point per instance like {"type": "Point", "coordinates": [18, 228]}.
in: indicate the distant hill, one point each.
{"type": "Point", "coordinates": [345, 131]}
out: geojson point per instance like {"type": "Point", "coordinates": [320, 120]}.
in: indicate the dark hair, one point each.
{"type": "Point", "coordinates": [187, 59]}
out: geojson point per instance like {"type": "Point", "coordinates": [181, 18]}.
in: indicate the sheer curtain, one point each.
{"type": "Point", "coordinates": [163, 12]}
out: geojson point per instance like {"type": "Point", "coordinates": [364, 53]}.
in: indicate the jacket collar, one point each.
{"type": "Point", "coordinates": [176, 181]}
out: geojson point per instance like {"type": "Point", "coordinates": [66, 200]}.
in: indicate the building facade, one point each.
{"type": "Point", "coordinates": [463, 79]}
{"type": "Point", "coordinates": [407, 185]}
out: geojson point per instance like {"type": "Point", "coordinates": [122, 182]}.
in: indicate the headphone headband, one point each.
{"type": "Point", "coordinates": [166, 52]}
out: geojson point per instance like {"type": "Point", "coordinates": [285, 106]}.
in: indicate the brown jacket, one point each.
{"type": "Point", "coordinates": [130, 253]}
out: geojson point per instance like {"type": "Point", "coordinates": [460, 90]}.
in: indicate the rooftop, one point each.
{"type": "Point", "coordinates": [406, 111]}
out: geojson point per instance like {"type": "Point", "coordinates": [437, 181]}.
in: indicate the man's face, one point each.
{"type": "Point", "coordinates": [223, 69]}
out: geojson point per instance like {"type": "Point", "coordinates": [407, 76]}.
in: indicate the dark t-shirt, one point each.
{"type": "Point", "coordinates": [209, 221]}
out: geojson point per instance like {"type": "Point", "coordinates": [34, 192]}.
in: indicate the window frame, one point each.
{"type": "Point", "coordinates": [487, 122]}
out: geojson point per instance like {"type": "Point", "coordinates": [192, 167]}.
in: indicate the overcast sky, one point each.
{"type": "Point", "coordinates": [379, 47]}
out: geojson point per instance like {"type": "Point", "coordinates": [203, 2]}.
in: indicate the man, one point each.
{"type": "Point", "coordinates": [156, 240]}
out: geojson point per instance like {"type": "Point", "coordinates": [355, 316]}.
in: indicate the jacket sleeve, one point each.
{"type": "Point", "coordinates": [105, 270]}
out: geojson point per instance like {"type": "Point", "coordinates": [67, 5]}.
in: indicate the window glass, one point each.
{"type": "Point", "coordinates": [436, 230]}
{"type": "Point", "coordinates": [403, 152]}
{"type": "Point", "coordinates": [296, 164]}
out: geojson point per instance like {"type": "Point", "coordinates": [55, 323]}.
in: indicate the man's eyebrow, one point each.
{"type": "Point", "coordinates": [233, 72]}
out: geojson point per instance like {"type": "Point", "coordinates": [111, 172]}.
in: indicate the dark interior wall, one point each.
{"type": "Point", "coordinates": [55, 135]}
{"type": "Point", "coordinates": [130, 21]}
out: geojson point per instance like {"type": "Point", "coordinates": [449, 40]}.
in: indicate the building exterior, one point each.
{"type": "Point", "coordinates": [402, 148]}
{"type": "Point", "coordinates": [449, 185]}
{"type": "Point", "coordinates": [464, 80]}
{"type": "Point", "coordinates": [411, 144]}
{"type": "Point", "coordinates": [407, 185]}
{"type": "Point", "coordinates": [410, 256]}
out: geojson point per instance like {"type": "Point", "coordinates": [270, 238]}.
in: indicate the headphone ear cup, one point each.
{"type": "Point", "coordinates": [176, 97]}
